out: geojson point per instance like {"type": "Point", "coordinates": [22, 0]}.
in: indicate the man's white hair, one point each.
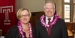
{"type": "Point", "coordinates": [50, 2]}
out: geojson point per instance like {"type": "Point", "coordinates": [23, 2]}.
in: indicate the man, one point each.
{"type": "Point", "coordinates": [50, 25]}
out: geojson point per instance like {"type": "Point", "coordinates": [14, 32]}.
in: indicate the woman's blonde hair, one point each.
{"type": "Point", "coordinates": [20, 10]}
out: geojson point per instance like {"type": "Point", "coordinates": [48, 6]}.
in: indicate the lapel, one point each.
{"type": "Point", "coordinates": [45, 30]}
{"type": "Point", "coordinates": [52, 29]}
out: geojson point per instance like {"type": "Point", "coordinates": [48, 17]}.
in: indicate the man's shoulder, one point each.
{"type": "Point", "coordinates": [60, 19]}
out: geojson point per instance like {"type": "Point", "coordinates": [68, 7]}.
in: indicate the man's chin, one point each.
{"type": "Point", "coordinates": [49, 16]}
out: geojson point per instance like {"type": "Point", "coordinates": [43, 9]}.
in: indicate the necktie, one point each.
{"type": "Point", "coordinates": [49, 28]}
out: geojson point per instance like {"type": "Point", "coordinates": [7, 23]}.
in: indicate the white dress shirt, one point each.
{"type": "Point", "coordinates": [50, 20]}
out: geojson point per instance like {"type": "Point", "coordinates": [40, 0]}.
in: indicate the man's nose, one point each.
{"type": "Point", "coordinates": [49, 9]}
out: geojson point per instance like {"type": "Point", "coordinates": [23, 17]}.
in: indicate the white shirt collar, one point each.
{"type": "Point", "coordinates": [50, 20]}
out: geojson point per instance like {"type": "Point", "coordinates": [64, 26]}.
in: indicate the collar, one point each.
{"type": "Point", "coordinates": [50, 20]}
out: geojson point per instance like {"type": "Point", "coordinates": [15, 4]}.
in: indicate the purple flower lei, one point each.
{"type": "Point", "coordinates": [51, 23]}
{"type": "Point", "coordinates": [21, 32]}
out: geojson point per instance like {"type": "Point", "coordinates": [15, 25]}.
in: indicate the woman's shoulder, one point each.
{"type": "Point", "coordinates": [34, 31]}
{"type": "Point", "coordinates": [33, 27]}
{"type": "Point", "coordinates": [14, 28]}
{"type": "Point", "coordinates": [12, 32]}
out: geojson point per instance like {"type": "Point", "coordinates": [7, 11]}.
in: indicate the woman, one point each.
{"type": "Point", "coordinates": [23, 29]}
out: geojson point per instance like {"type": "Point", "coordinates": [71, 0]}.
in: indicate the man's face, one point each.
{"type": "Point", "coordinates": [49, 9]}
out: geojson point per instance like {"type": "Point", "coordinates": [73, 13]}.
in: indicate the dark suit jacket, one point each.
{"type": "Point", "coordinates": [58, 30]}
{"type": "Point", "coordinates": [14, 33]}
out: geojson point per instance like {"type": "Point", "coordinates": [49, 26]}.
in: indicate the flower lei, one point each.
{"type": "Point", "coordinates": [51, 23]}
{"type": "Point", "coordinates": [21, 32]}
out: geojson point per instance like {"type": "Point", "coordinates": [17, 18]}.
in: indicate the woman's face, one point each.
{"type": "Point", "coordinates": [24, 16]}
